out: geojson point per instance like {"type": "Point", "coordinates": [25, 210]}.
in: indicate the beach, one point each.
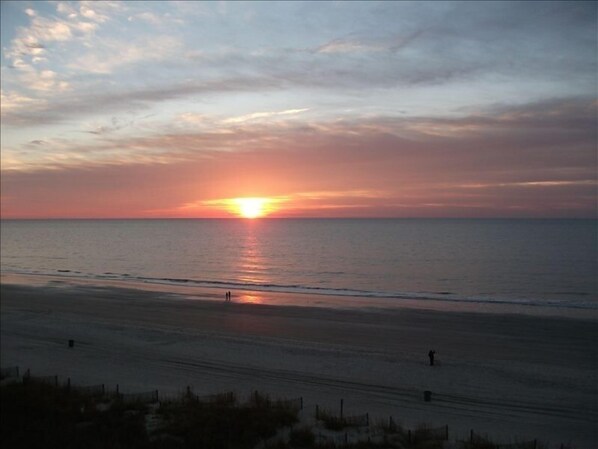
{"type": "Point", "coordinates": [509, 376]}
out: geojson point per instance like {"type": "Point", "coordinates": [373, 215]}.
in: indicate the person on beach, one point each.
{"type": "Point", "coordinates": [431, 355]}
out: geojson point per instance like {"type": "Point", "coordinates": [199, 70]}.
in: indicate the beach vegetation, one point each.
{"type": "Point", "coordinates": [302, 437]}
{"type": "Point", "coordinates": [222, 424]}
{"type": "Point", "coordinates": [38, 414]}
{"type": "Point", "coordinates": [41, 415]}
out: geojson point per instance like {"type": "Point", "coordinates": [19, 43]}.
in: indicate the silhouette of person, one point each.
{"type": "Point", "coordinates": [431, 355]}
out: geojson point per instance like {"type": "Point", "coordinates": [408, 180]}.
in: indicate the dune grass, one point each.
{"type": "Point", "coordinates": [39, 415]}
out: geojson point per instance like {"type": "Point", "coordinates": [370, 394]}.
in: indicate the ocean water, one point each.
{"type": "Point", "coordinates": [539, 262]}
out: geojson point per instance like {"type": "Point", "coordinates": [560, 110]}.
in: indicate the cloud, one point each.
{"type": "Point", "coordinates": [193, 118]}
{"type": "Point", "coordinates": [55, 110]}
{"type": "Point", "coordinates": [33, 44]}
{"type": "Point", "coordinates": [115, 124]}
{"type": "Point", "coordinates": [348, 46]}
{"type": "Point", "coordinates": [12, 102]}
{"type": "Point", "coordinates": [45, 80]}
{"type": "Point", "coordinates": [333, 169]}
{"type": "Point", "coordinates": [146, 16]}
{"type": "Point", "coordinates": [553, 149]}
{"type": "Point", "coordinates": [111, 54]}
{"type": "Point", "coordinates": [261, 115]}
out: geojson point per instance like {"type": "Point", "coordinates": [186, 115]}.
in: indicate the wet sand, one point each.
{"type": "Point", "coordinates": [504, 375]}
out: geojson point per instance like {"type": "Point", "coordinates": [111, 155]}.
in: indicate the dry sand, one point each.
{"type": "Point", "coordinates": [509, 376]}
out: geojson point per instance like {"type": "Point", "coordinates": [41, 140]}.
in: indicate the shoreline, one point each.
{"type": "Point", "coordinates": [507, 375]}
{"type": "Point", "coordinates": [282, 298]}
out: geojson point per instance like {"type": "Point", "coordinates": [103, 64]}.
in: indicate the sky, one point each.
{"type": "Point", "coordinates": [322, 109]}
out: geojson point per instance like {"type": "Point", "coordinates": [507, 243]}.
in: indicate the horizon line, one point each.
{"type": "Point", "coordinates": [294, 218]}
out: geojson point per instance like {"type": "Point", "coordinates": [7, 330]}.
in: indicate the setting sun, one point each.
{"type": "Point", "coordinates": [251, 207]}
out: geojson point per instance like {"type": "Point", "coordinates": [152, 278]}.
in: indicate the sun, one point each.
{"type": "Point", "coordinates": [251, 207]}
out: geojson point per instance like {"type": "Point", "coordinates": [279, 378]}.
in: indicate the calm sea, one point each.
{"type": "Point", "coordinates": [541, 262]}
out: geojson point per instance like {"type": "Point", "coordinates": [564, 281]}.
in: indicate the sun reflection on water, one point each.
{"type": "Point", "coordinates": [249, 298]}
{"type": "Point", "coordinates": [251, 259]}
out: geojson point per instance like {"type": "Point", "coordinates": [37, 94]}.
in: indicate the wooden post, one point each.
{"type": "Point", "coordinates": [103, 390]}
{"type": "Point", "coordinates": [535, 443]}
{"type": "Point", "coordinates": [367, 419]}
{"type": "Point", "coordinates": [471, 436]}
{"type": "Point", "coordinates": [157, 396]}
{"type": "Point", "coordinates": [317, 412]}
{"type": "Point", "coordinates": [301, 402]}
{"type": "Point", "coordinates": [346, 438]}
{"type": "Point", "coordinates": [446, 435]}
{"type": "Point", "coordinates": [409, 435]}
{"type": "Point", "coordinates": [68, 384]}
{"type": "Point", "coordinates": [342, 408]}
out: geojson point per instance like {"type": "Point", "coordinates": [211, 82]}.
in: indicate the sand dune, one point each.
{"type": "Point", "coordinates": [506, 375]}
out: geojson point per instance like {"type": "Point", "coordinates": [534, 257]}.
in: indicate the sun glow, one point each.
{"type": "Point", "coordinates": [252, 207]}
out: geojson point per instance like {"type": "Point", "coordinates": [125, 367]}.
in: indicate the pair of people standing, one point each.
{"type": "Point", "coordinates": [227, 295]}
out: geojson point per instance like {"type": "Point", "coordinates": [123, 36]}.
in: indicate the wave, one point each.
{"type": "Point", "coordinates": [581, 300]}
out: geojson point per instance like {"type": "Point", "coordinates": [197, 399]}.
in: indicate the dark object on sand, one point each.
{"type": "Point", "coordinates": [71, 343]}
{"type": "Point", "coordinates": [427, 396]}
{"type": "Point", "coordinates": [431, 355]}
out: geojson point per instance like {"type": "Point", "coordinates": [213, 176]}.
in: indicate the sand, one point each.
{"type": "Point", "coordinates": [510, 376]}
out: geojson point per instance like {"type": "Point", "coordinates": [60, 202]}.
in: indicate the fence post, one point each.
{"type": "Point", "coordinates": [301, 402]}
{"type": "Point", "coordinates": [342, 408]}
{"type": "Point", "coordinates": [103, 390]}
{"type": "Point", "coordinates": [346, 438]}
{"type": "Point", "coordinates": [317, 412]}
{"type": "Point", "coordinates": [446, 435]}
{"type": "Point", "coordinates": [156, 395]}
{"type": "Point", "coordinates": [409, 436]}
{"type": "Point", "coordinates": [471, 436]}
{"type": "Point", "coordinates": [55, 381]}
{"type": "Point", "coordinates": [535, 443]}
{"type": "Point", "coordinates": [367, 419]}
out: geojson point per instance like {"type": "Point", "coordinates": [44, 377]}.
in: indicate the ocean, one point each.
{"type": "Point", "coordinates": [551, 263]}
